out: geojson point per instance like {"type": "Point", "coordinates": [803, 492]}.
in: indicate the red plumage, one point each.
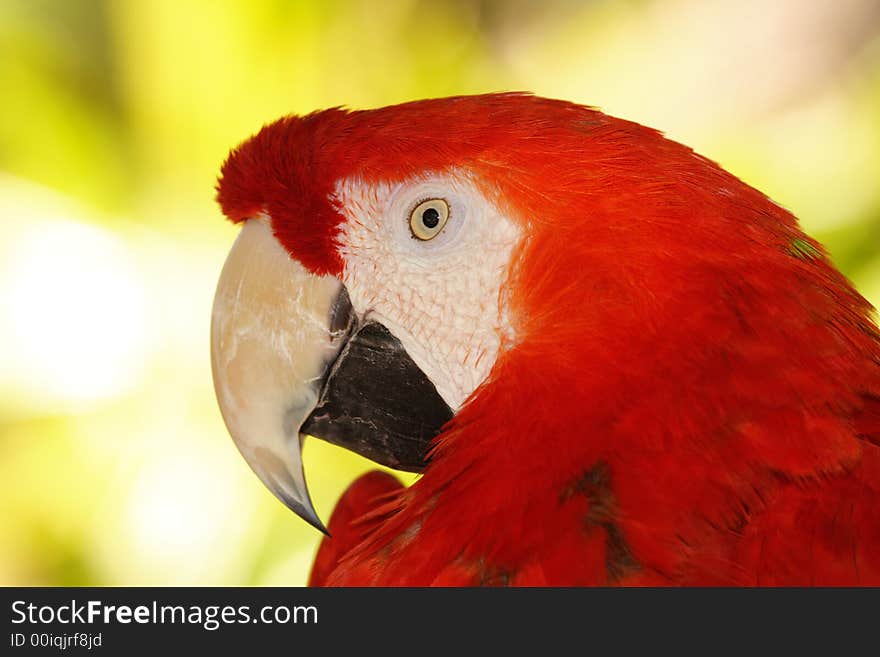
{"type": "Point", "coordinates": [693, 396]}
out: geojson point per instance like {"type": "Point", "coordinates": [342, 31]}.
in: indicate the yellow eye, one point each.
{"type": "Point", "coordinates": [428, 218]}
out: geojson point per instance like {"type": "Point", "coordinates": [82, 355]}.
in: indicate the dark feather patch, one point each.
{"type": "Point", "coordinates": [595, 485]}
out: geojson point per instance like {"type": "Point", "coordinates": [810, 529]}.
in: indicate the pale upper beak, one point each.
{"type": "Point", "coordinates": [271, 340]}
{"type": "Point", "coordinates": [290, 357]}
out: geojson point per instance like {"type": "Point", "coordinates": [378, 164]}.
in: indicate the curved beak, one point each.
{"type": "Point", "coordinates": [290, 357]}
{"type": "Point", "coordinates": [271, 340]}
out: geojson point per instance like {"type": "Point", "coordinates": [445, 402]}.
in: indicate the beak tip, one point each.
{"type": "Point", "coordinates": [313, 519]}
{"type": "Point", "coordinates": [304, 509]}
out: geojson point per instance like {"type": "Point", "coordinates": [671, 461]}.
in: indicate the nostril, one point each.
{"type": "Point", "coordinates": [341, 314]}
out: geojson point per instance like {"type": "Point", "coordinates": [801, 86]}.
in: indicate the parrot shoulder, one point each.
{"type": "Point", "coordinates": [352, 520]}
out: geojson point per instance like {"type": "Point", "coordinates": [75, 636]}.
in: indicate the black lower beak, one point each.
{"type": "Point", "coordinates": [375, 401]}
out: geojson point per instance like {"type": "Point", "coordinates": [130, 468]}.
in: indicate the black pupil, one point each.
{"type": "Point", "coordinates": [430, 218]}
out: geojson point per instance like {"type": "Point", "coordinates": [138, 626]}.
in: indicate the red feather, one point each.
{"type": "Point", "coordinates": [692, 396]}
{"type": "Point", "coordinates": [352, 521]}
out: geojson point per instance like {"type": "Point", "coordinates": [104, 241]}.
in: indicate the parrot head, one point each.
{"type": "Point", "coordinates": [494, 261]}
{"type": "Point", "coordinates": [364, 300]}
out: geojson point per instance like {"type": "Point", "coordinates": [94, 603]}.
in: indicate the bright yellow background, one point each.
{"type": "Point", "coordinates": [114, 118]}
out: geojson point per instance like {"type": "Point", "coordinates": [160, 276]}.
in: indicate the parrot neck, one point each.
{"type": "Point", "coordinates": [632, 455]}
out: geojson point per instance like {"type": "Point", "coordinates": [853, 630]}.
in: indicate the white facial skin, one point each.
{"type": "Point", "coordinates": [442, 298]}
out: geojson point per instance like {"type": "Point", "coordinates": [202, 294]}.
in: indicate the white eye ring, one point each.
{"type": "Point", "coordinates": [428, 218]}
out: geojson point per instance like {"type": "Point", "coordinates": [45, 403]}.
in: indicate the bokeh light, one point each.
{"type": "Point", "coordinates": [115, 463]}
{"type": "Point", "coordinates": [75, 323]}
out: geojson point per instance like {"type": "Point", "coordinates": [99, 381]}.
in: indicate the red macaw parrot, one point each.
{"type": "Point", "coordinates": [612, 361]}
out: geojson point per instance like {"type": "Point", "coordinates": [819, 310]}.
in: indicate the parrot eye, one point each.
{"type": "Point", "coordinates": [428, 218]}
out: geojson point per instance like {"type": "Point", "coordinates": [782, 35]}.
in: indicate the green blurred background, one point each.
{"type": "Point", "coordinates": [114, 118]}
